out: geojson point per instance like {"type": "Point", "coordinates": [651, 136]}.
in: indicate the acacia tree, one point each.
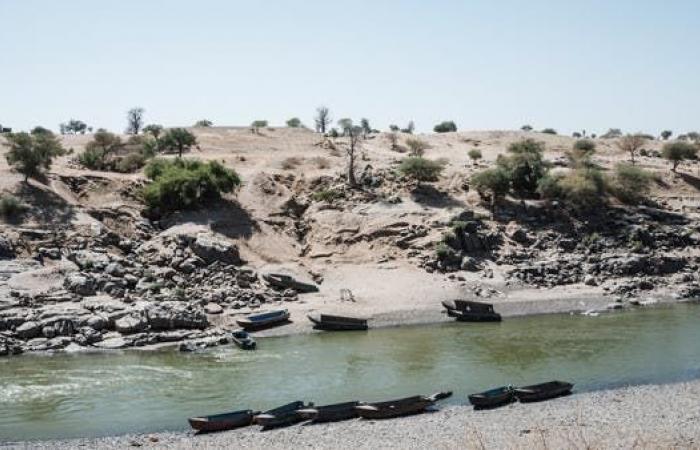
{"type": "Point", "coordinates": [179, 140]}
{"type": "Point", "coordinates": [256, 125]}
{"type": "Point", "coordinates": [677, 152]}
{"type": "Point", "coordinates": [322, 119]}
{"type": "Point", "coordinates": [154, 130]}
{"type": "Point", "coordinates": [366, 128]}
{"type": "Point", "coordinates": [417, 147]}
{"type": "Point", "coordinates": [103, 144]}
{"type": "Point", "coordinates": [73, 126]}
{"type": "Point", "coordinates": [631, 144]}
{"type": "Point", "coordinates": [134, 120]}
{"type": "Point", "coordinates": [32, 153]}
{"type": "Point", "coordinates": [666, 135]}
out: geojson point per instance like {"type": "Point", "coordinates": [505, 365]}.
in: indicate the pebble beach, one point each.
{"type": "Point", "coordinates": [648, 416]}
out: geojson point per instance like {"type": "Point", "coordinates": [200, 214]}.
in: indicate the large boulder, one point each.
{"type": "Point", "coordinates": [7, 249]}
{"type": "Point", "coordinates": [28, 330]}
{"type": "Point", "coordinates": [80, 284]}
{"type": "Point", "coordinates": [211, 249]}
{"type": "Point", "coordinates": [176, 315]}
{"type": "Point", "coordinates": [132, 323]}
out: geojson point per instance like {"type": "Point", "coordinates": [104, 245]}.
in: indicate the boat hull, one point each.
{"type": "Point", "coordinates": [339, 324]}
{"type": "Point", "coordinates": [476, 317]}
{"type": "Point", "coordinates": [331, 413]}
{"type": "Point", "coordinates": [255, 322]}
{"type": "Point", "coordinates": [492, 398]}
{"type": "Point", "coordinates": [280, 417]}
{"type": "Point", "coordinates": [222, 422]}
{"type": "Point", "coordinates": [400, 407]}
{"type": "Point", "coordinates": [543, 391]}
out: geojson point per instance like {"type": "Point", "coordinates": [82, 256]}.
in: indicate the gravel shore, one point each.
{"type": "Point", "coordinates": [650, 416]}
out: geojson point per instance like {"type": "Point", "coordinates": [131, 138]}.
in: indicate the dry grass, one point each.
{"type": "Point", "coordinates": [291, 163]}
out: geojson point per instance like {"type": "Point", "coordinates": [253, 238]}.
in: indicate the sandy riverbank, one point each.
{"type": "Point", "coordinates": [652, 416]}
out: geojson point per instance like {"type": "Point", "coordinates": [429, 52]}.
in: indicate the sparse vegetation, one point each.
{"type": "Point", "coordinates": [97, 151]}
{"type": "Point", "coordinates": [582, 188]}
{"type": "Point", "coordinates": [203, 124]}
{"type": "Point", "coordinates": [666, 135]}
{"type": "Point", "coordinates": [73, 126]}
{"type": "Point", "coordinates": [290, 163]}
{"type": "Point", "coordinates": [677, 152]}
{"type": "Point", "coordinates": [581, 152]}
{"type": "Point", "coordinates": [549, 131]}
{"type": "Point", "coordinates": [526, 128]}
{"type": "Point", "coordinates": [410, 128]}
{"type": "Point", "coordinates": [612, 133]}
{"type": "Point", "coordinates": [327, 195]}
{"type": "Point", "coordinates": [524, 165]}
{"type": "Point", "coordinates": [183, 184]}
{"type": "Point", "coordinates": [421, 169]}
{"type": "Point", "coordinates": [31, 154]}
{"type": "Point", "coordinates": [445, 127]}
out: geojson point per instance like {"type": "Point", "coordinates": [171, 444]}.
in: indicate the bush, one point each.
{"type": "Point", "coordinates": [493, 183]}
{"type": "Point", "coordinates": [294, 122]}
{"type": "Point", "coordinates": [581, 152]}
{"type": "Point", "coordinates": [327, 195]}
{"type": "Point", "coordinates": [524, 165]}
{"type": "Point", "coordinates": [445, 127]}
{"type": "Point", "coordinates": [677, 152]}
{"type": "Point", "coordinates": [421, 169]}
{"type": "Point", "coordinates": [11, 207]}
{"type": "Point", "coordinates": [526, 128]}
{"type": "Point", "coordinates": [630, 183]}
{"type": "Point", "coordinates": [290, 163]}
{"type": "Point", "coordinates": [177, 140]}
{"type": "Point", "coordinates": [130, 163]}
{"type": "Point", "coordinates": [417, 147]}
{"type": "Point", "coordinates": [474, 154]}
{"type": "Point", "coordinates": [549, 187]}
{"type": "Point", "coordinates": [184, 184]}
{"type": "Point", "coordinates": [99, 149]}
{"type": "Point", "coordinates": [549, 131]}
{"type": "Point", "coordinates": [203, 124]}
{"type": "Point", "coordinates": [32, 153]}
{"type": "Point", "coordinates": [612, 133]}
{"type": "Point", "coordinates": [584, 188]}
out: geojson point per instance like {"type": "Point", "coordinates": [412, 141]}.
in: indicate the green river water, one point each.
{"type": "Point", "coordinates": [95, 394]}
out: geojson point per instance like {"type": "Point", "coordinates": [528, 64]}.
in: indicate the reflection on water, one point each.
{"type": "Point", "coordinates": [100, 394]}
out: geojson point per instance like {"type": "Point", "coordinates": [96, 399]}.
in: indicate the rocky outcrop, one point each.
{"type": "Point", "coordinates": [212, 249]}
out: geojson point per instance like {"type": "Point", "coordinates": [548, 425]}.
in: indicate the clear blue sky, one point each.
{"type": "Point", "coordinates": [486, 64]}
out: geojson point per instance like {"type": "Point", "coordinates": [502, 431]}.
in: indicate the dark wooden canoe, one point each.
{"type": "Point", "coordinates": [337, 323]}
{"type": "Point", "coordinates": [282, 281]}
{"type": "Point", "coordinates": [543, 391]}
{"type": "Point", "coordinates": [330, 413]}
{"type": "Point", "coordinates": [468, 311]}
{"type": "Point", "coordinates": [243, 340]}
{"type": "Point", "coordinates": [264, 320]}
{"type": "Point", "coordinates": [401, 407]}
{"type": "Point", "coordinates": [281, 416]}
{"type": "Point", "coordinates": [221, 422]}
{"type": "Point", "coordinates": [493, 397]}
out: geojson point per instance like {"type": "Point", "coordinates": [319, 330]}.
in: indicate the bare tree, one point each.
{"type": "Point", "coordinates": [322, 119]}
{"type": "Point", "coordinates": [631, 144]}
{"type": "Point", "coordinates": [134, 120]}
{"type": "Point", "coordinates": [355, 135]}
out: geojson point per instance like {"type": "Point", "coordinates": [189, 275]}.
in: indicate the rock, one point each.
{"type": "Point", "coordinates": [590, 280]}
{"type": "Point", "coordinates": [115, 269]}
{"type": "Point", "coordinates": [28, 330]}
{"type": "Point", "coordinates": [7, 249]}
{"type": "Point", "coordinates": [97, 323]}
{"type": "Point", "coordinates": [214, 308]}
{"type": "Point", "coordinates": [614, 306]}
{"type": "Point", "coordinates": [48, 331]}
{"type": "Point", "coordinates": [212, 249]}
{"type": "Point", "coordinates": [112, 343]}
{"type": "Point", "coordinates": [80, 284]}
{"type": "Point", "coordinates": [469, 264]}
{"type": "Point", "coordinates": [517, 234]}
{"type": "Point", "coordinates": [175, 315]}
{"type": "Point", "coordinates": [130, 324]}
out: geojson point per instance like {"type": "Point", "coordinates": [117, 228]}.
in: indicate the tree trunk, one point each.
{"type": "Point", "coordinates": [351, 170]}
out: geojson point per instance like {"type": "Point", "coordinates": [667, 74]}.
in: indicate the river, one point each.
{"type": "Point", "coordinates": [97, 394]}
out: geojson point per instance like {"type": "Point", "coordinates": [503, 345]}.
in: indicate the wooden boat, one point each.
{"type": "Point", "coordinates": [243, 340]}
{"type": "Point", "coordinates": [330, 413]}
{"type": "Point", "coordinates": [468, 311]}
{"type": "Point", "coordinates": [221, 422]}
{"type": "Point", "coordinates": [401, 407]}
{"type": "Point", "coordinates": [337, 323]}
{"type": "Point", "coordinates": [281, 416]}
{"type": "Point", "coordinates": [543, 391]}
{"type": "Point", "coordinates": [264, 320]}
{"type": "Point", "coordinates": [493, 397]}
{"type": "Point", "coordinates": [282, 281]}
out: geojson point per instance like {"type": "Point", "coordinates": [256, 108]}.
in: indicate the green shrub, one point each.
{"type": "Point", "coordinates": [583, 188]}
{"type": "Point", "coordinates": [294, 122]}
{"type": "Point", "coordinates": [421, 169]}
{"type": "Point", "coordinates": [549, 131]}
{"type": "Point", "coordinates": [10, 206]}
{"type": "Point", "coordinates": [184, 184]}
{"type": "Point", "coordinates": [582, 152]}
{"type": "Point", "coordinates": [32, 153]}
{"type": "Point", "coordinates": [417, 147]}
{"type": "Point", "coordinates": [203, 123]}
{"type": "Point", "coordinates": [549, 187]}
{"type": "Point", "coordinates": [445, 127]}
{"type": "Point", "coordinates": [91, 158]}
{"type": "Point", "coordinates": [327, 195]}
{"type": "Point", "coordinates": [630, 183]}
{"type": "Point", "coordinates": [130, 163]}
{"type": "Point", "coordinates": [524, 165]}
{"type": "Point", "coordinates": [474, 154]}
{"type": "Point", "coordinates": [493, 183]}
{"type": "Point", "coordinates": [677, 152]}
